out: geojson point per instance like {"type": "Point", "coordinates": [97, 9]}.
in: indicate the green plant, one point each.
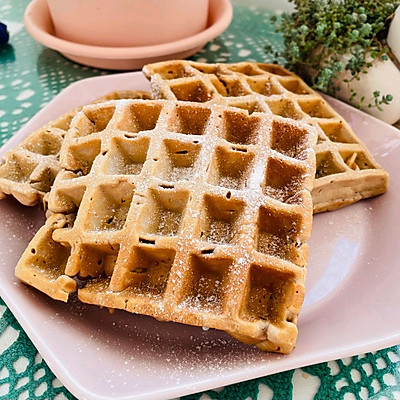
{"type": "Point", "coordinates": [319, 32]}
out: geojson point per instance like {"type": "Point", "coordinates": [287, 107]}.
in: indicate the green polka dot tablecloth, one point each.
{"type": "Point", "coordinates": [30, 76]}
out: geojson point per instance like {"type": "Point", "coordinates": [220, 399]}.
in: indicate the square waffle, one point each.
{"type": "Point", "coordinates": [346, 171]}
{"type": "Point", "coordinates": [27, 172]}
{"type": "Point", "coordinates": [183, 211]}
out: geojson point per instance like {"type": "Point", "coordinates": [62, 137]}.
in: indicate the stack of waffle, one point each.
{"type": "Point", "coordinates": [193, 207]}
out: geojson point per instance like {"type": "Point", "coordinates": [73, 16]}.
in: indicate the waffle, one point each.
{"type": "Point", "coordinates": [27, 171]}
{"type": "Point", "coordinates": [185, 212]}
{"type": "Point", "coordinates": [346, 171]}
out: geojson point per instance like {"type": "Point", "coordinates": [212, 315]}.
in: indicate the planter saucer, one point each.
{"type": "Point", "coordinates": [40, 26]}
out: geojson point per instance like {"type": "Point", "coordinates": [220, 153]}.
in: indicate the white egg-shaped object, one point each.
{"type": "Point", "coordinates": [384, 77]}
{"type": "Point", "coordinates": [393, 37]}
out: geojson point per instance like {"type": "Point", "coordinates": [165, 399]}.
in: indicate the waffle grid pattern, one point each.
{"type": "Point", "coordinates": [28, 170]}
{"type": "Point", "coordinates": [176, 211]}
{"type": "Point", "coordinates": [346, 171]}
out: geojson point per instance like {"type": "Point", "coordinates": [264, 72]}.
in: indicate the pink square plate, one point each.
{"type": "Point", "coordinates": [351, 305]}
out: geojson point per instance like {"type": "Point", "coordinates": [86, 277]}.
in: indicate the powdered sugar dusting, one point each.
{"type": "Point", "coordinates": [165, 228]}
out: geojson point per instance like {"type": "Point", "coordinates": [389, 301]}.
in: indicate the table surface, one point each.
{"type": "Point", "coordinates": [30, 76]}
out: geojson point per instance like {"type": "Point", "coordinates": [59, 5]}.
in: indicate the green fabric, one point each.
{"type": "Point", "coordinates": [30, 76]}
{"type": "Point", "coordinates": [23, 373]}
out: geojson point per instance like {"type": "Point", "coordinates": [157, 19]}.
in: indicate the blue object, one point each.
{"type": "Point", "coordinates": [4, 34]}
